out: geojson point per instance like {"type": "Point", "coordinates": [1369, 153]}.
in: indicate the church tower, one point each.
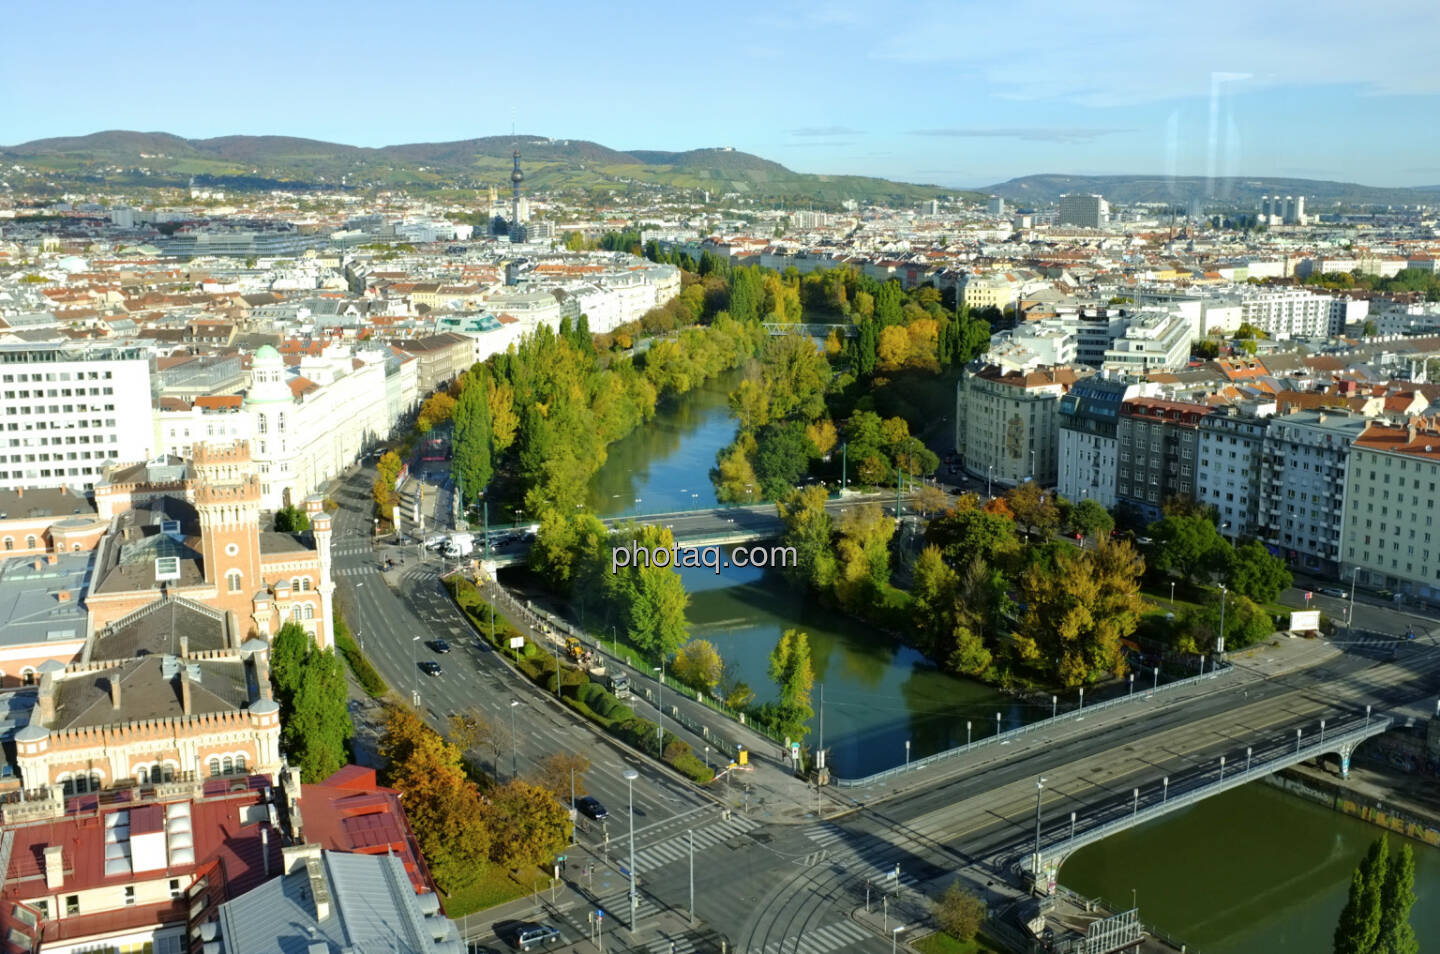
{"type": "Point", "coordinates": [321, 531]}
{"type": "Point", "coordinates": [227, 499]}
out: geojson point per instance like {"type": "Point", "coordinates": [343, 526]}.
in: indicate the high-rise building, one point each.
{"type": "Point", "coordinates": [996, 205]}
{"type": "Point", "coordinates": [68, 411]}
{"type": "Point", "coordinates": [1085, 210]}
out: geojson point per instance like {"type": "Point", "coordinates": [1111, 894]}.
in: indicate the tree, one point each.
{"type": "Point", "coordinates": [443, 807]}
{"type": "Point", "coordinates": [288, 652]}
{"type": "Point", "coordinates": [698, 665]}
{"type": "Point", "coordinates": [864, 556]}
{"type": "Point", "coordinates": [810, 530]}
{"type": "Point", "coordinates": [1255, 573]}
{"type": "Point", "coordinates": [1033, 508]}
{"type": "Point", "coordinates": [790, 671]}
{"type": "Point", "coordinates": [1245, 625]}
{"type": "Point", "coordinates": [782, 454]}
{"type": "Point", "coordinates": [1187, 545]}
{"type": "Point", "coordinates": [471, 729]}
{"type": "Point", "coordinates": [437, 409]}
{"type": "Point", "coordinates": [1350, 932]}
{"type": "Point", "coordinates": [471, 452]}
{"type": "Point", "coordinates": [528, 826]}
{"type": "Point", "coordinates": [555, 772]}
{"type": "Point", "coordinates": [290, 519]}
{"type": "Point", "coordinates": [970, 534]}
{"type": "Point", "coordinates": [1361, 920]}
{"type": "Point", "coordinates": [318, 730]}
{"type": "Point", "coordinates": [1079, 605]}
{"type": "Point", "coordinates": [1397, 936]}
{"type": "Point", "coordinates": [959, 913]}
{"type": "Point", "coordinates": [1089, 518]}
{"type": "Point", "coordinates": [383, 490]}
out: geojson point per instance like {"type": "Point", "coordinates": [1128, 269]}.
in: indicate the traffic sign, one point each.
{"type": "Point", "coordinates": [599, 914]}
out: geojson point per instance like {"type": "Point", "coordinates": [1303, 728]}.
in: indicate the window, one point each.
{"type": "Point", "coordinates": [232, 581]}
{"type": "Point", "coordinates": [214, 768]}
{"type": "Point", "coordinates": [30, 542]}
{"type": "Point", "coordinates": [72, 904]}
{"type": "Point", "coordinates": [9, 543]}
{"type": "Point", "coordinates": [175, 891]}
{"type": "Point", "coordinates": [240, 763]}
{"type": "Point", "coordinates": [229, 765]}
{"type": "Point", "coordinates": [129, 894]}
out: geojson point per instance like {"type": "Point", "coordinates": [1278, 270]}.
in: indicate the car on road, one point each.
{"type": "Point", "coordinates": [1333, 591]}
{"type": "Point", "coordinates": [590, 807]}
{"type": "Point", "coordinates": [440, 646]}
{"type": "Point", "coordinates": [535, 936]}
{"type": "Point", "coordinates": [430, 667]}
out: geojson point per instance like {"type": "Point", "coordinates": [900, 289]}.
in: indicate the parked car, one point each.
{"type": "Point", "coordinates": [536, 935]}
{"type": "Point", "coordinates": [590, 807]}
{"type": "Point", "coordinates": [1333, 591]}
{"type": "Point", "coordinates": [430, 667]}
{"type": "Point", "coordinates": [440, 646]}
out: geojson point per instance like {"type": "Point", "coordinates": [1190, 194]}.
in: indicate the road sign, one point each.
{"type": "Point", "coordinates": [794, 751]}
{"type": "Point", "coordinates": [517, 642]}
{"type": "Point", "coordinates": [1308, 594]}
{"type": "Point", "coordinates": [599, 914]}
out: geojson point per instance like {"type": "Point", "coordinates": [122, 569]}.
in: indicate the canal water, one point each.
{"type": "Point", "coordinates": [1252, 871]}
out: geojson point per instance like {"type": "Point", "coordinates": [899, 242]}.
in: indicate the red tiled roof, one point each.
{"type": "Point", "coordinates": [351, 811]}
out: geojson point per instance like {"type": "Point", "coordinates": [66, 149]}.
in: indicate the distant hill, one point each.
{"type": "Point", "coordinates": [1237, 190]}
{"type": "Point", "coordinates": [130, 159]}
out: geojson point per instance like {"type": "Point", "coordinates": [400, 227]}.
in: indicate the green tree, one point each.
{"type": "Point", "coordinates": [1189, 546]}
{"type": "Point", "coordinates": [1350, 932]}
{"type": "Point", "coordinates": [1362, 919]}
{"type": "Point", "coordinates": [864, 556]}
{"type": "Point", "coordinates": [1255, 573]}
{"type": "Point", "coordinates": [1397, 936]}
{"type": "Point", "coordinates": [319, 729]}
{"type": "Point", "coordinates": [471, 450]}
{"type": "Point", "coordinates": [289, 651]}
{"type": "Point", "coordinates": [1090, 519]}
{"type": "Point", "coordinates": [810, 530]}
{"type": "Point", "coordinates": [790, 671]}
{"type": "Point", "coordinates": [969, 533]}
{"type": "Point", "coordinates": [782, 454]}
{"type": "Point", "coordinates": [290, 519]}
{"type": "Point", "coordinates": [1033, 508]}
{"type": "Point", "coordinates": [959, 913]}
{"type": "Point", "coordinates": [698, 665]}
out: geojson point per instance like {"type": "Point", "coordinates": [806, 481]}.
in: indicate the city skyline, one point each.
{"type": "Point", "coordinates": [914, 98]}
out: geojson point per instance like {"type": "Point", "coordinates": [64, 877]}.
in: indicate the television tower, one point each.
{"type": "Point", "coordinates": [516, 177]}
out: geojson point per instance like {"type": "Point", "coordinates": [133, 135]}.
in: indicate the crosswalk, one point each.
{"type": "Point", "coordinates": [874, 863]}
{"type": "Point", "coordinates": [677, 847]}
{"type": "Point", "coordinates": [836, 936]}
{"type": "Point", "coordinates": [365, 570]}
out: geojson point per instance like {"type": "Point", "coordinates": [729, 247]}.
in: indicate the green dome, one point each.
{"type": "Point", "coordinates": [266, 353]}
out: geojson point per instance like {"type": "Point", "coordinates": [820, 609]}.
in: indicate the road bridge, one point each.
{"type": "Point", "coordinates": [1055, 843]}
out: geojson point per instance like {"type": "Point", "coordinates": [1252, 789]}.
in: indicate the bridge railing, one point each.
{"type": "Point", "coordinates": [1181, 791]}
{"type": "Point", "coordinates": [1042, 725]}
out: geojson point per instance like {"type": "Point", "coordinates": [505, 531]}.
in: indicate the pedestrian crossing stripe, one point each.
{"type": "Point", "coordinates": [679, 945]}
{"type": "Point", "coordinates": [677, 847]}
{"type": "Point", "coordinates": [814, 858]}
{"type": "Point", "coordinates": [824, 834]}
{"type": "Point", "coordinates": [821, 940]}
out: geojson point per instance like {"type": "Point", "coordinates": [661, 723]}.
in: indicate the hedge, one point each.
{"type": "Point", "coordinates": [577, 690]}
{"type": "Point", "coordinates": [365, 674]}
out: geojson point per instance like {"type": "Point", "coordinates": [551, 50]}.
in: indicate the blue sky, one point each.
{"type": "Point", "coordinates": [955, 93]}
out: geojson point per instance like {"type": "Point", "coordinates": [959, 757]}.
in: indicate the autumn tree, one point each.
{"type": "Point", "coordinates": [959, 913]}
{"type": "Point", "coordinates": [528, 826]}
{"type": "Point", "coordinates": [790, 671]}
{"type": "Point", "coordinates": [863, 551]}
{"type": "Point", "coordinates": [1033, 508]}
{"type": "Point", "coordinates": [437, 409]}
{"type": "Point", "coordinates": [1079, 605]}
{"type": "Point", "coordinates": [383, 490]}
{"type": "Point", "coordinates": [809, 529]}
{"type": "Point", "coordinates": [698, 665]}
{"type": "Point", "coordinates": [555, 772]}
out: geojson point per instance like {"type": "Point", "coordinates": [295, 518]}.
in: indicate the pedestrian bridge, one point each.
{"type": "Point", "coordinates": [1057, 839]}
{"type": "Point", "coordinates": [812, 329]}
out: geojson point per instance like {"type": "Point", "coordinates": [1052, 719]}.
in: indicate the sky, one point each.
{"type": "Point", "coordinates": [953, 93]}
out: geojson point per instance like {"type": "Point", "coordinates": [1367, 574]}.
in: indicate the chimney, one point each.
{"type": "Point", "coordinates": [52, 558]}
{"type": "Point", "coordinates": [62, 490]}
{"type": "Point", "coordinates": [185, 691]}
{"type": "Point", "coordinates": [1410, 431]}
{"type": "Point", "coordinates": [63, 596]}
{"type": "Point", "coordinates": [19, 491]}
{"type": "Point", "coordinates": [184, 646]}
{"type": "Point", "coordinates": [39, 564]}
{"type": "Point", "coordinates": [115, 690]}
{"type": "Point", "coordinates": [54, 867]}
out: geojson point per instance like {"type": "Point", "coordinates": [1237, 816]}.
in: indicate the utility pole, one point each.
{"type": "Point", "coordinates": [1039, 791]}
{"type": "Point", "coordinates": [630, 776]}
{"type": "Point", "coordinates": [691, 833]}
{"type": "Point", "coordinates": [844, 465]}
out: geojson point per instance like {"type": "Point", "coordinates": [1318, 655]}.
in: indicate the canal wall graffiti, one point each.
{"type": "Point", "coordinates": [1342, 799]}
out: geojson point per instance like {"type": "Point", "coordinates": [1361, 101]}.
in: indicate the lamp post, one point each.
{"type": "Point", "coordinates": [1297, 740]}
{"type": "Point", "coordinates": [660, 708]}
{"type": "Point", "coordinates": [1165, 790]}
{"type": "Point", "coordinates": [1322, 731]}
{"type": "Point", "coordinates": [630, 776]}
{"type": "Point", "coordinates": [1222, 768]}
{"type": "Point", "coordinates": [844, 466]}
{"type": "Point", "coordinates": [1132, 684]}
{"type": "Point", "coordinates": [1082, 699]}
{"type": "Point", "coordinates": [1072, 829]}
{"type": "Point", "coordinates": [989, 480]}
{"type": "Point", "coordinates": [1172, 594]}
{"type": "Point", "coordinates": [1039, 792]}
{"type": "Point", "coordinates": [907, 755]}
{"type": "Point", "coordinates": [967, 734]}
{"type": "Point", "coordinates": [997, 723]}
{"type": "Point", "coordinates": [1247, 760]}
{"type": "Point", "coordinates": [1220, 640]}
{"type": "Point", "coordinates": [1155, 684]}
{"type": "Point", "coordinates": [1054, 706]}
{"type": "Point", "coordinates": [1350, 619]}
{"type": "Point", "coordinates": [1367, 708]}
{"type": "Point", "coordinates": [414, 672]}
{"type": "Point", "coordinates": [514, 743]}
{"type": "Point", "coordinates": [894, 934]}
{"type": "Point", "coordinates": [1136, 810]}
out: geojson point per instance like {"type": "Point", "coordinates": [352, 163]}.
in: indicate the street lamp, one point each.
{"type": "Point", "coordinates": [1220, 640]}
{"type": "Point", "coordinates": [1054, 705]}
{"type": "Point", "coordinates": [660, 707]}
{"type": "Point", "coordinates": [1132, 684]}
{"type": "Point", "coordinates": [989, 479]}
{"type": "Point", "coordinates": [895, 933]}
{"type": "Point", "coordinates": [1136, 810]}
{"type": "Point", "coordinates": [1322, 731]}
{"type": "Point", "coordinates": [1367, 709]}
{"type": "Point", "coordinates": [1247, 760]}
{"type": "Point", "coordinates": [967, 733]}
{"type": "Point", "coordinates": [1222, 768]}
{"type": "Point", "coordinates": [1172, 594]}
{"type": "Point", "coordinates": [907, 755]}
{"type": "Point", "coordinates": [1350, 620]}
{"type": "Point", "coordinates": [1155, 684]}
{"type": "Point", "coordinates": [514, 743]}
{"type": "Point", "coordinates": [1039, 791]}
{"type": "Point", "coordinates": [414, 672]}
{"type": "Point", "coordinates": [630, 776]}
{"type": "Point", "coordinates": [1165, 791]}
{"type": "Point", "coordinates": [997, 723]}
{"type": "Point", "coordinates": [1297, 740]}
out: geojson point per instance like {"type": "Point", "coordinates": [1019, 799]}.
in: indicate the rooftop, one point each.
{"type": "Point", "coordinates": [31, 607]}
{"type": "Point", "coordinates": [151, 687]}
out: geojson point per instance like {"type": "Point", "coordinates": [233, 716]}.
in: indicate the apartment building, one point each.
{"type": "Point", "coordinates": [1297, 313]}
{"type": "Point", "coordinates": [69, 411]}
{"type": "Point", "coordinates": [1088, 443]}
{"type": "Point", "coordinates": [1389, 533]}
{"type": "Point", "coordinates": [1303, 475]}
{"type": "Point", "coordinates": [1232, 440]}
{"type": "Point", "coordinates": [1158, 451]}
{"type": "Point", "coordinates": [1007, 422]}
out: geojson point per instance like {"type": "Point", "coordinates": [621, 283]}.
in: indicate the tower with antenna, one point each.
{"type": "Point", "coordinates": [517, 230]}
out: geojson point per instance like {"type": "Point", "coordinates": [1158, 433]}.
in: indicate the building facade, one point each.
{"type": "Point", "coordinates": [1158, 454]}
{"type": "Point", "coordinates": [67, 412]}
{"type": "Point", "coordinates": [1231, 445]}
{"type": "Point", "coordinates": [1389, 535]}
{"type": "Point", "coordinates": [1088, 440]}
{"type": "Point", "coordinates": [1007, 423]}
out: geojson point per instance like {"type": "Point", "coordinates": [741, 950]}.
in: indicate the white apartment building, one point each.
{"type": "Point", "coordinates": [1390, 536]}
{"type": "Point", "coordinates": [67, 411]}
{"type": "Point", "coordinates": [1007, 423]}
{"type": "Point", "coordinates": [1303, 476]}
{"type": "Point", "coordinates": [1152, 339]}
{"type": "Point", "coordinates": [1296, 313]}
{"type": "Point", "coordinates": [1231, 442]}
{"type": "Point", "coordinates": [305, 429]}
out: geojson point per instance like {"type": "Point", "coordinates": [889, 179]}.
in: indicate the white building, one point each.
{"type": "Point", "coordinates": [1297, 313]}
{"type": "Point", "coordinates": [1087, 448]}
{"type": "Point", "coordinates": [1389, 533]}
{"type": "Point", "coordinates": [1231, 442]}
{"type": "Point", "coordinates": [1007, 423]}
{"type": "Point", "coordinates": [67, 411]}
{"type": "Point", "coordinates": [1152, 340]}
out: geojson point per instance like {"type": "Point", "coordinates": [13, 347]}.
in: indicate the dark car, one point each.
{"type": "Point", "coordinates": [536, 935]}
{"type": "Point", "coordinates": [440, 646]}
{"type": "Point", "coordinates": [430, 667]}
{"type": "Point", "coordinates": [590, 807]}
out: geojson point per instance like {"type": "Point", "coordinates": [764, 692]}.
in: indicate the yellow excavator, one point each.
{"type": "Point", "coordinates": [574, 649]}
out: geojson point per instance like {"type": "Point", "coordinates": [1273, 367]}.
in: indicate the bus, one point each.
{"type": "Point", "coordinates": [434, 448]}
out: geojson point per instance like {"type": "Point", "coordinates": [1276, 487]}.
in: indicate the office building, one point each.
{"type": "Point", "coordinates": [69, 411]}
{"type": "Point", "coordinates": [1086, 211]}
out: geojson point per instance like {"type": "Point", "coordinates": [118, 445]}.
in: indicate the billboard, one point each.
{"type": "Point", "coordinates": [1305, 621]}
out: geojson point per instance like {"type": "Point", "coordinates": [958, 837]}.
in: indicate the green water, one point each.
{"type": "Point", "coordinates": [1252, 871]}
